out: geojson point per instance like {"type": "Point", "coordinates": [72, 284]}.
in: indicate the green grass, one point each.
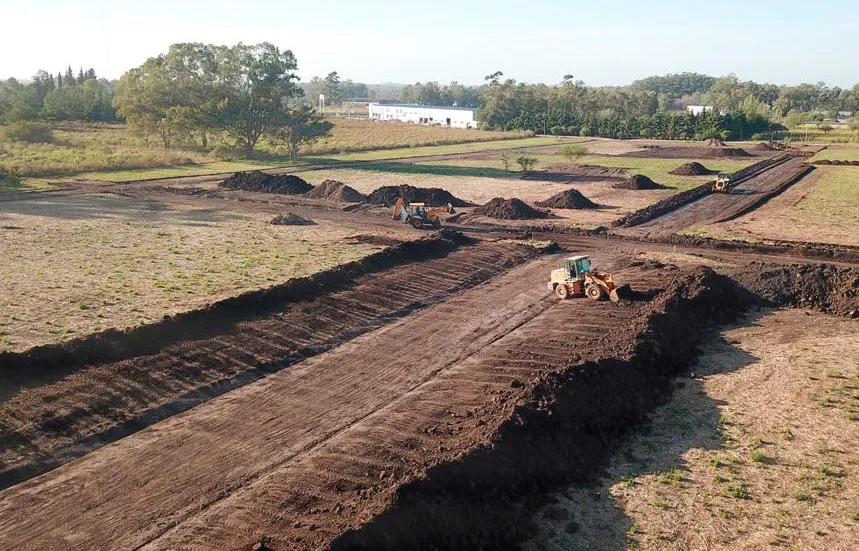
{"type": "Point", "coordinates": [410, 152]}
{"type": "Point", "coordinates": [834, 198]}
{"type": "Point", "coordinates": [839, 152]}
{"type": "Point", "coordinates": [655, 169]}
{"type": "Point", "coordinates": [24, 184]}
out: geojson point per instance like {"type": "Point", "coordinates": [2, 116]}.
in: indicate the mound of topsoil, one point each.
{"type": "Point", "coordinates": [570, 199]}
{"type": "Point", "coordinates": [692, 169]}
{"type": "Point", "coordinates": [638, 181]}
{"type": "Point", "coordinates": [332, 190]}
{"type": "Point", "coordinates": [433, 197]}
{"type": "Point", "coordinates": [509, 209]}
{"type": "Point", "coordinates": [290, 219]}
{"type": "Point", "coordinates": [270, 183]}
{"type": "Point", "coordinates": [714, 142]}
{"type": "Point", "coordinates": [832, 289]}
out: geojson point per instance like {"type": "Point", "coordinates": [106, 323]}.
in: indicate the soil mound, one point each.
{"type": "Point", "coordinates": [269, 183]}
{"type": "Point", "coordinates": [332, 190]}
{"type": "Point", "coordinates": [692, 169]}
{"type": "Point", "coordinates": [638, 181]}
{"type": "Point", "coordinates": [434, 197]}
{"type": "Point", "coordinates": [290, 219]}
{"type": "Point", "coordinates": [509, 209]}
{"type": "Point", "coordinates": [570, 199]}
{"type": "Point", "coordinates": [714, 142]}
{"type": "Point", "coordinates": [821, 286]}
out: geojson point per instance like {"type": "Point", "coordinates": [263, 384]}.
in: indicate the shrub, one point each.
{"type": "Point", "coordinates": [527, 163]}
{"type": "Point", "coordinates": [506, 158]}
{"type": "Point", "coordinates": [586, 131]}
{"type": "Point", "coordinates": [29, 132]}
{"type": "Point", "coordinates": [571, 130]}
{"type": "Point", "coordinates": [758, 137]}
{"type": "Point", "coordinates": [8, 174]}
{"type": "Point", "coordinates": [556, 130]}
{"type": "Point", "coordinates": [225, 152]}
{"type": "Point", "coordinates": [573, 152]}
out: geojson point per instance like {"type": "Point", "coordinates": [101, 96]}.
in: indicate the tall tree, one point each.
{"type": "Point", "coordinates": [301, 127]}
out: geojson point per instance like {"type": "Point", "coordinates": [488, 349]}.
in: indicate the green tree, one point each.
{"type": "Point", "coordinates": [825, 128]}
{"type": "Point", "coordinates": [302, 126]}
{"type": "Point", "coordinates": [527, 163]}
{"type": "Point", "coordinates": [255, 84]}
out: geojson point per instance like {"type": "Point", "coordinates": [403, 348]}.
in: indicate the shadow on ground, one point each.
{"type": "Point", "coordinates": [586, 515]}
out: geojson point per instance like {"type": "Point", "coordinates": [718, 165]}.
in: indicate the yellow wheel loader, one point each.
{"type": "Point", "coordinates": [574, 278]}
{"type": "Point", "coordinates": [722, 184]}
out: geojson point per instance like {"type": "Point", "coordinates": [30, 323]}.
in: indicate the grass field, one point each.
{"type": "Point", "coordinates": [655, 169]}
{"type": "Point", "coordinates": [85, 148]}
{"type": "Point", "coordinates": [839, 152]}
{"type": "Point", "coordinates": [754, 451]}
{"type": "Point", "coordinates": [78, 264]}
{"type": "Point", "coordinates": [823, 206]}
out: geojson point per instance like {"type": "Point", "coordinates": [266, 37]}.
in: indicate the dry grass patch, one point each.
{"type": "Point", "coordinates": [76, 265]}
{"type": "Point", "coordinates": [756, 451]}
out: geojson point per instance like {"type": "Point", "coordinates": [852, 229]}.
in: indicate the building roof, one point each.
{"type": "Point", "coordinates": [413, 105]}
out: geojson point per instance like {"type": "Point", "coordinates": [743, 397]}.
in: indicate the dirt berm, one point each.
{"type": "Point", "coordinates": [434, 197]}
{"type": "Point", "coordinates": [255, 180]}
{"type": "Point", "coordinates": [41, 362]}
{"type": "Point", "coordinates": [509, 209]}
{"type": "Point", "coordinates": [554, 428]}
{"type": "Point", "coordinates": [692, 169]}
{"type": "Point", "coordinates": [290, 219]}
{"type": "Point", "coordinates": [638, 181]}
{"type": "Point", "coordinates": [332, 190]}
{"type": "Point", "coordinates": [569, 199]}
{"type": "Point", "coordinates": [824, 287]}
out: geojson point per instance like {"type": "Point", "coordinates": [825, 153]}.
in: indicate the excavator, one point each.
{"type": "Point", "coordinates": [574, 277]}
{"type": "Point", "coordinates": [418, 214]}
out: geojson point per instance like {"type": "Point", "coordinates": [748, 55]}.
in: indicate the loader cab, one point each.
{"type": "Point", "coordinates": [576, 267]}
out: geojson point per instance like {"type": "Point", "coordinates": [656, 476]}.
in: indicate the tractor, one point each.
{"type": "Point", "coordinates": [418, 214]}
{"type": "Point", "coordinates": [573, 277]}
{"type": "Point", "coordinates": [722, 183]}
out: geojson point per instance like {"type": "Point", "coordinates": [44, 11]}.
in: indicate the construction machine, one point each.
{"type": "Point", "coordinates": [722, 183]}
{"type": "Point", "coordinates": [574, 277]}
{"type": "Point", "coordinates": [418, 214]}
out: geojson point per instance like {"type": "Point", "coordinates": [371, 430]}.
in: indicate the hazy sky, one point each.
{"type": "Point", "coordinates": [603, 42]}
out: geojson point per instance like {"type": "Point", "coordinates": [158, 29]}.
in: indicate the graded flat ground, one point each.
{"type": "Point", "coordinates": [839, 152]}
{"type": "Point", "coordinates": [822, 207]}
{"type": "Point", "coordinates": [756, 450]}
{"type": "Point", "coordinates": [77, 264]}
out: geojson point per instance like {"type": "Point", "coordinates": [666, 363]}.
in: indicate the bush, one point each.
{"type": "Point", "coordinates": [556, 130]}
{"type": "Point", "coordinates": [573, 152]}
{"type": "Point", "coordinates": [758, 137]}
{"type": "Point", "coordinates": [29, 132]}
{"type": "Point", "coordinates": [225, 152]}
{"type": "Point", "coordinates": [527, 163]}
{"type": "Point", "coordinates": [586, 131]}
{"type": "Point", "coordinates": [8, 174]}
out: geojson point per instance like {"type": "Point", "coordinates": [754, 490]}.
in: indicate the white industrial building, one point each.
{"type": "Point", "coordinates": [456, 117]}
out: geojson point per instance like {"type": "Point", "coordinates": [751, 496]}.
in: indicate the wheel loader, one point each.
{"type": "Point", "coordinates": [574, 277]}
{"type": "Point", "coordinates": [418, 214]}
{"type": "Point", "coordinates": [722, 183]}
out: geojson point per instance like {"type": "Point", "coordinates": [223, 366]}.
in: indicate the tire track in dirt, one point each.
{"type": "Point", "coordinates": [127, 494]}
{"type": "Point", "coordinates": [51, 424]}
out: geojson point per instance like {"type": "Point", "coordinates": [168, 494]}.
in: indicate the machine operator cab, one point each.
{"type": "Point", "coordinates": [571, 270]}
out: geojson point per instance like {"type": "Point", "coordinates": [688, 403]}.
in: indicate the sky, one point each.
{"type": "Point", "coordinates": [611, 42]}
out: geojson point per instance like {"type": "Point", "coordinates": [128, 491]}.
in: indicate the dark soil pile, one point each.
{"type": "Point", "coordinates": [290, 219]}
{"type": "Point", "coordinates": [433, 197]}
{"type": "Point", "coordinates": [692, 169]}
{"type": "Point", "coordinates": [570, 199]}
{"type": "Point", "coordinates": [714, 142]}
{"type": "Point", "coordinates": [332, 190]}
{"type": "Point", "coordinates": [638, 181]}
{"type": "Point", "coordinates": [821, 286]}
{"type": "Point", "coordinates": [835, 162]}
{"type": "Point", "coordinates": [269, 183]}
{"type": "Point", "coordinates": [509, 209]}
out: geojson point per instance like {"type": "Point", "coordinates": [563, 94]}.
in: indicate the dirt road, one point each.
{"type": "Point", "coordinates": [307, 451]}
{"type": "Point", "coordinates": [718, 207]}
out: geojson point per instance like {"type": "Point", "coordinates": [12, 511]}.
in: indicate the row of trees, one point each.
{"type": "Point", "coordinates": [238, 94]}
{"type": "Point", "coordinates": [66, 97]}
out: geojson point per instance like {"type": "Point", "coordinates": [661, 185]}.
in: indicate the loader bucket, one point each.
{"type": "Point", "coordinates": [622, 292]}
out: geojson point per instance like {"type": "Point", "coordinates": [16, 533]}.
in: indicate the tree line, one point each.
{"type": "Point", "coordinates": [66, 97]}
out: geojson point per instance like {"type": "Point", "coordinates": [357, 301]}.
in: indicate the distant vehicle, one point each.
{"type": "Point", "coordinates": [722, 183]}
{"type": "Point", "coordinates": [418, 214]}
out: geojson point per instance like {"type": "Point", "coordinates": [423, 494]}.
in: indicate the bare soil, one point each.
{"type": "Point", "coordinates": [434, 197]}
{"type": "Point", "coordinates": [332, 190]}
{"type": "Point", "coordinates": [509, 209]}
{"type": "Point", "coordinates": [692, 169]}
{"type": "Point", "coordinates": [290, 219]}
{"type": "Point", "coordinates": [638, 182]}
{"type": "Point", "coordinates": [256, 180]}
{"type": "Point", "coordinates": [570, 199]}
{"type": "Point", "coordinates": [674, 152]}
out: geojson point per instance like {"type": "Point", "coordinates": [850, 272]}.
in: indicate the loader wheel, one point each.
{"type": "Point", "coordinates": [595, 292]}
{"type": "Point", "coordinates": [562, 292]}
{"type": "Point", "coordinates": [417, 223]}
